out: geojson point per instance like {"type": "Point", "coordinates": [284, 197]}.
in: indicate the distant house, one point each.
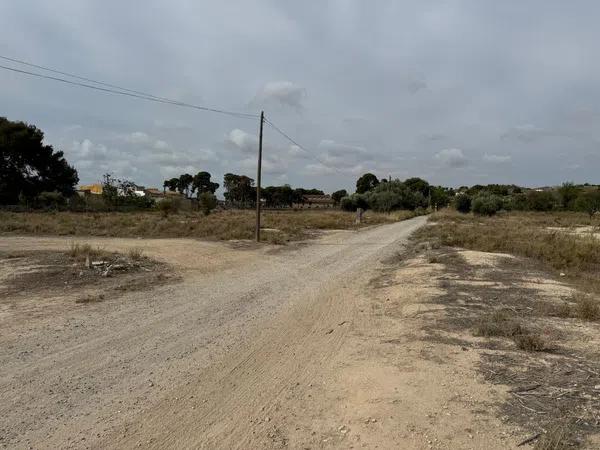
{"type": "Point", "coordinates": [89, 189]}
{"type": "Point", "coordinates": [315, 201]}
{"type": "Point", "coordinates": [159, 194]}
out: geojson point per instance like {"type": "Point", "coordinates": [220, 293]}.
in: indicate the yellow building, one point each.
{"type": "Point", "coordinates": [90, 188]}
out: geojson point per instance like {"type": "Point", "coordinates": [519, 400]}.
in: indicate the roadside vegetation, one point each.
{"type": "Point", "coordinates": [534, 332]}
{"type": "Point", "coordinates": [280, 226]}
{"type": "Point", "coordinates": [545, 237]}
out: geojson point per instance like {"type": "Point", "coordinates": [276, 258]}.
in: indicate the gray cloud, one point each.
{"type": "Point", "coordinates": [280, 93]}
{"type": "Point", "coordinates": [452, 157]}
{"type": "Point", "coordinates": [497, 159]}
{"type": "Point", "coordinates": [382, 88]}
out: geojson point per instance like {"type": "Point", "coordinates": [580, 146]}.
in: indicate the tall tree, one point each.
{"type": "Point", "coordinates": [28, 166]}
{"type": "Point", "coordinates": [201, 183]}
{"type": "Point", "coordinates": [417, 185]}
{"type": "Point", "coordinates": [185, 184]}
{"type": "Point", "coordinates": [171, 184]}
{"type": "Point", "coordinates": [338, 195]}
{"type": "Point", "coordinates": [366, 182]}
{"type": "Point", "coordinates": [239, 189]}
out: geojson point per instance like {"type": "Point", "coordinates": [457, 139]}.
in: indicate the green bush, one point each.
{"type": "Point", "coordinates": [462, 203]}
{"type": "Point", "coordinates": [353, 202]}
{"type": "Point", "coordinates": [207, 202]}
{"type": "Point", "coordinates": [541, 200]}
{"type": "Point", "coordinates": [168, 206]}
{"type": "Point", "coordinates": [53, 200]}
{"type": "Point", "coordinates": [487, 204]}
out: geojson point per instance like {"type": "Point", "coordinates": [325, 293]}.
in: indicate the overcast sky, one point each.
{"type": "Point", "coordinates": [457, 92]}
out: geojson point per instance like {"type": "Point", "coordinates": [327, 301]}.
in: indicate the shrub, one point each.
{"type": "Point", "coordinates": [588, 308]}
{"type": "Point", "coordinates": [135, 254]}
{"type": "Point", "coordinates": [51, 200]}
{"type": "Point", "coordinates": [487, 204]}
{"type": "Point", "coordinates": [168, 206]}
{"type": "Point", "coordinates": [541, 200]}
{"type": "Point", "coordinates": [498, 324]}
{"type": "Point", "coordinates": [530, 342]}
{"type": "Point", "coordinates": [462, 203]}
{"type": "Point", "coordinates": [353, 202]}
{"type": "Point", "coordinates": [207, 202]}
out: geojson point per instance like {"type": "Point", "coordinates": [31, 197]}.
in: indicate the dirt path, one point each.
{"type": "Point", "coordinates": [255, 348]}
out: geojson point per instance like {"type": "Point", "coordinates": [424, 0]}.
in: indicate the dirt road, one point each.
{"type": "Point", "coordinates": [256, 347]}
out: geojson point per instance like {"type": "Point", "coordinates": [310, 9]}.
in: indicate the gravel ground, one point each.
{"type": "Point", "coordinates": [194, 364]}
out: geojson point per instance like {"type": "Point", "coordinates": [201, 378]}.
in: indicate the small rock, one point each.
{"type": "Point", "coordinates": [562, 274]}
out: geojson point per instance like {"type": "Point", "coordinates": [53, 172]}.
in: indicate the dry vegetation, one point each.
{"type": "Point", "coordinates": [281, 226]}
{"type": "Point", "coordinates": [87, 272]}
{"type": "Point", "coordinates": [545, 237]}
{"type": "Point", "coordinates": [538, 342]}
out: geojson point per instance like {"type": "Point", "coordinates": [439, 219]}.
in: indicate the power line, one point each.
{"type": "Point", "coordinates": [102, 83]}
{"type": "Point", "coordinates": [309, 153]}
{"type": "Point", "coordinates": [134, 94]}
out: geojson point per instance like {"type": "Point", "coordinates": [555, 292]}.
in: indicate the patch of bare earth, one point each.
{"type": "Point", "coordinates": [537, 365]}
{"type": "Point", "coordinates": [80, 277]}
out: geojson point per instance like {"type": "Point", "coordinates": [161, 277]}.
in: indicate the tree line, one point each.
{"type": "Point", "coordinates": [389, 195]}
{"type": "Point", "coordinates": [490, 199]}
{"type": "Point", "coordinates": [34, 174]}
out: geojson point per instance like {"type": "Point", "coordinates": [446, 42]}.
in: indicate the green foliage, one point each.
{"type": "Point", "coordinates": [239, 190]}
{"type": "Point", "coordinates": [462, 203]}
{"type": "Point", "coordinates": [278, 196]}
{"type": "Point", "coordinates": [353, 202]}
{"type": "Point", "coordinates": [487, 204]}
{"type": "Point", "coordinates": [418, 185]}
{"type": "Point", "coordinates": [28, 167]}
{"type": "Point", "coordinates": [171, 184]}
{"type": "Point", "coordinates": [440, 196]}
{"type": "Point", "coordinates": [120, 195]}
{"type": "Point", "coordinates": [588, 201]}
{"type": "Point", "coordinates": [338, 195]}
{"type": "Point", "coordinates": [541, 200]}
{"type": "Point", "coordinates": [207, 202]}
{"type": "Point", "coordinates": [54, 200]}
{"type": "Point", "coordinates": [366, 182]}
{"type": "Point", "coordinates": [201, 183]}
{"type": "Point", "coordinates": [168, 206]}
{"type": "Point", "coordinates": [567, 193]}
{"type": "Point", "coordinates": [185, 185]}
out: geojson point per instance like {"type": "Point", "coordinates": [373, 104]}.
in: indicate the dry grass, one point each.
{"type": "Point", "coordinates": [558, 437]}
{"type": "Point", "coordinates": [503, 323]}
{"type": "Point", "coordinates": [80, 252]}
{"type": "Point", "coordinates": [531, 342]}
{"type": "Point", "coordinates": [525, 234]}
{"type": "Point", "coordinates": [135, 254]}
{"type": "Point", "coordinates": [282, 226]}
{"type": "Point", "coordinates": [498, 324]}
{"type": "Point", "coordinates": [587, 308]}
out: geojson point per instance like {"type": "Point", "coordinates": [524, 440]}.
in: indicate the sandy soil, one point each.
{"type": "Point", "coordinates": [314, 345]}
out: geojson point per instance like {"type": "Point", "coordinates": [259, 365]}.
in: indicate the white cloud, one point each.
{"type": "Point", "coordinates": [282, 93]}
{"type": "Point", "coordinates": [86, 150]}
{"type": "Point", "coordinates": [497, 159]}
{"type": "Point", "coordinates": [452, 157]}
{"type": "Point", "coordinates": [245, 142]}
{"type": "Point", "coordinates": [137, 137]}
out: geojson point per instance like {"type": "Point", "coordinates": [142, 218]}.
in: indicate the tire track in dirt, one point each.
{"type": "Point", "coordinates": [237, 334]}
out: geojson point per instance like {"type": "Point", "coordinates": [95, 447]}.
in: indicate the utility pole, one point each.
{"type": "Point", "coordinates": [258, 174]}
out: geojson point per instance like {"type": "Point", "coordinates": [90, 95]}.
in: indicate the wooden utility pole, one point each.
{"type": "Point", "coordinates": [258, 174]}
